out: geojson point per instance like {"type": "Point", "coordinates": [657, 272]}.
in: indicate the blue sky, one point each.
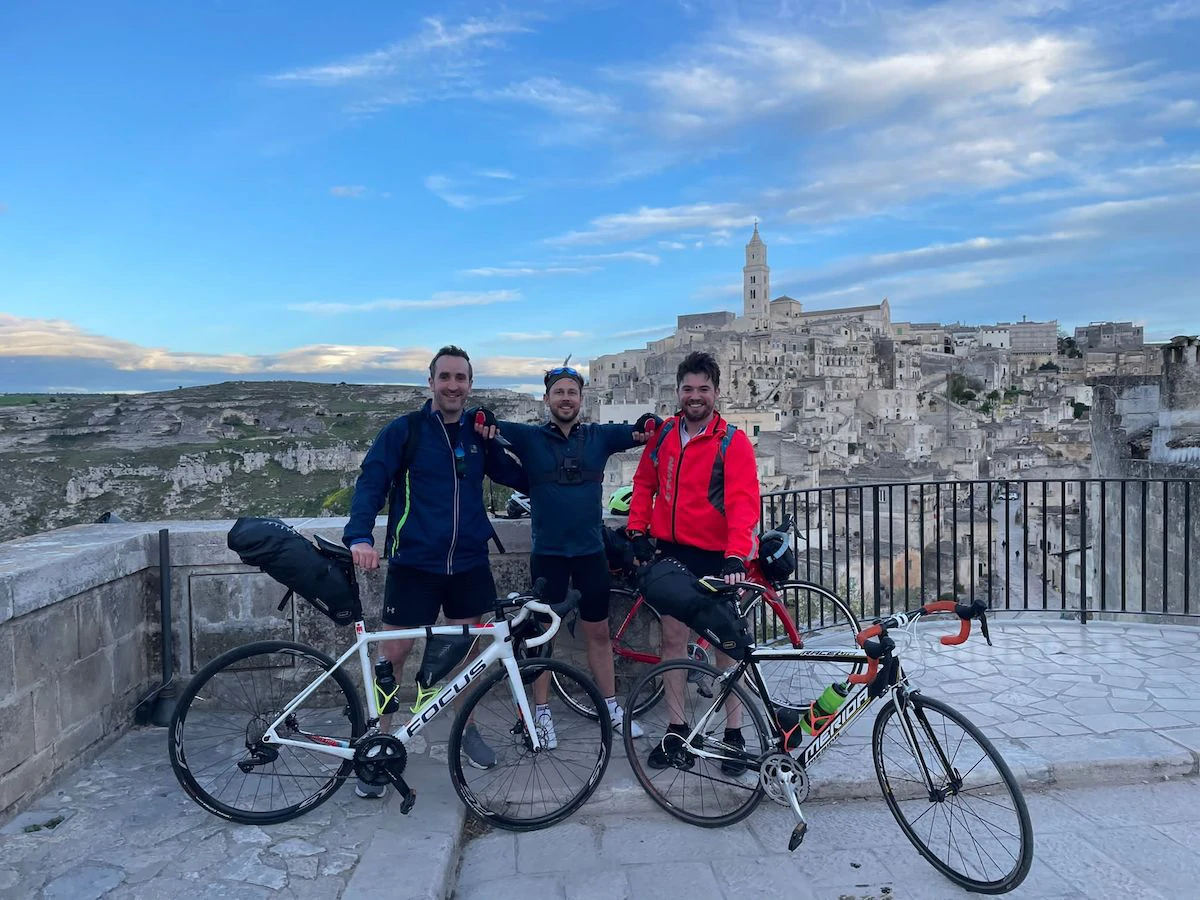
{"type": "Point", "coordinates": [204, 191]}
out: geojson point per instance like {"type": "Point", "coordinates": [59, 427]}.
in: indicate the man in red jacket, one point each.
{"type": "Point", "coordinates": [696, 492]}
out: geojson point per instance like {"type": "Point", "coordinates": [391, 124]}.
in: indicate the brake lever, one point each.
{"type": "Point", "coordinates": [983, 628]}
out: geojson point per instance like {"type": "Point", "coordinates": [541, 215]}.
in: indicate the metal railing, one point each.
{"type": "Point", "coordinates": [1121, 546]}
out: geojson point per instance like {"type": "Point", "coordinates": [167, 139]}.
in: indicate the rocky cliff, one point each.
{"type": "Point", "coordinates": [214, 452]}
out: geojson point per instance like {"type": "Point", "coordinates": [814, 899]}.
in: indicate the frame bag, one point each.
{"type": "Point", "coordinates": [322, 573]}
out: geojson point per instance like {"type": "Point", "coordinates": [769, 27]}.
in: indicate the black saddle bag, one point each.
{"type": "Point", "coordinates": [672, 590]}
{"type": "Point", "coordinates": [323, 573]}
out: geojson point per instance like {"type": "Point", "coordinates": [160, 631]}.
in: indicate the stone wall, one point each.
{"type": "Point", "coordinates": [80, 633]}
{"type": "Point", "coordinates": [1124, 408]}
{"type": "Point", "coordinates": [74, 661]}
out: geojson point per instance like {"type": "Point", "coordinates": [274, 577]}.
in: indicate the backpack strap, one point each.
{"type": "Point", "coordinates": [411, 441]}
{"type": "Point", "coordinates": [662, 436]}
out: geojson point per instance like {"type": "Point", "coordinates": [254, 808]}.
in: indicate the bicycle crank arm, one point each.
{"type": "Point", "coordinates": [407, 795]}
{"type": "Point", "coordinates": [802, 826]}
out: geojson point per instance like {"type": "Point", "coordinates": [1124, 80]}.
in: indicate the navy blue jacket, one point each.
{"type": "Point", "coordinates": [567, 515]}
{"type": "Point", "coordinates": [437, 521]}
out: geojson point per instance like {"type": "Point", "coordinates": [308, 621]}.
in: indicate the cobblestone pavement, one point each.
{"type": "Point", "coordinates": [1070, 707]}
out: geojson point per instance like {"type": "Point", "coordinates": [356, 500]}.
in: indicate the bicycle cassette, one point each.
{"type": "Point", "coordinates": [777, 773]}
{"type": "Point", "coordinates": [379, 759]}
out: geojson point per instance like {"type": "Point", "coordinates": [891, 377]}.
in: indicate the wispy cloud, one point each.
{"type": "Point", "coordinates": [555, 97]}
{"type": "Point", "coordinates": [452, 192]}
{"type": "Point", "coordinates": [348, 191]}
{"type": "Point", "coordinates": [521, 366]}
{"type": "Point", "coordinates": [501, 174]}
{"type": "Point", "coordinates": [630, 255]}
{"type": "Point", "coordinates": [441, 300]}
{"type": "Point", "coordinates": [648, 221]}
{"type": "Point", "coordinates": [444, 47]}
{"type": "Point", "coordinates": [517, 271]}
{"type": "Point", "coordinates": [541, 335]}
{"type": "Point", "coordinates": [640, 332]}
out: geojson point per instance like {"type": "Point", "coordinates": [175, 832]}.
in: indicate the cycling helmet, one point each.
{"type": "Point", "coordinates": [618, 503]}
{"type": "Point", "coordinates": [775, 556]}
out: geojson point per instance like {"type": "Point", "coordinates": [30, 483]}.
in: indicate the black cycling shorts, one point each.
{"type": "Point", "coordinates": [698, 562]}
{"type": "Point", "coordinates": [587, 574]}
{"type": "Point", "coordinates": [412, 597]}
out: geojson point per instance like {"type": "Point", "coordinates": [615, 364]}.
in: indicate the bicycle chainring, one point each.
{"type": "Point", "coordinates": [776, 771]}
{"type": "Point", "coordinates": [379, 758]}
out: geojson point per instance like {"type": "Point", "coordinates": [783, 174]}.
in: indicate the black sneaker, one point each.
{"type": "Point", "coordinates": [735, 767]}
{"type": "Point", "coordinates": [677, 757]}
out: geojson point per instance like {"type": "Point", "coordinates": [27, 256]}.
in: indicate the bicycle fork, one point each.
{"type": "Point", "coordinates": [904, 704]}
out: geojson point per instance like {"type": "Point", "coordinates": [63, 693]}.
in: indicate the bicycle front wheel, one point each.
{"type": "Point", "coordinates": [637, 637]}
{"type": "Point", "coordinates": [522, 790]}
{"type": "Point", "coordinates": [973, 826]}
{"type": "Point", "coordinates": [215, 736]}
{"type": "Point", "coordinates": [700, 790]}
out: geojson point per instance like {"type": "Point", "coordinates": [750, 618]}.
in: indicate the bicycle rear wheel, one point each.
{"type": "Point", "coordinates": [636, 642]}
{"type": "Point", "coordinates": [974, 826]}
{"type": "Point", "coordinates": [524, 790]}
{"type": "Point", "coordinates": [698, 790]}
{"type": "Point", "coordinates": [215, 735]}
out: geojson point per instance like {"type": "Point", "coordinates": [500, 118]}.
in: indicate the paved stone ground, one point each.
{"type": "Point", "coordinates": [1134, 841]}
{"type": "Point", "coordinates": [1070, 707]}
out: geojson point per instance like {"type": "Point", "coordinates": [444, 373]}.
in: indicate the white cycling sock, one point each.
{"type": "Point", "coordinates": [612, 704]}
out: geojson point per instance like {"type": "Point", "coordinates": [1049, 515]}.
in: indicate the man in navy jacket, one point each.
{"type": "Point", "coordinates": [438, 527]}
{"type": "Point", "coordinates": [564, 461]}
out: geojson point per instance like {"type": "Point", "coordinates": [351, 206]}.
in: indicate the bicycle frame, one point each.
{"type": "Point", "coordinates": [769, 594]}
{"type": "Point", "coordinates": [500, 649]}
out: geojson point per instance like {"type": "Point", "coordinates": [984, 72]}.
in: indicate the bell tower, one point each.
{"type": "Point", "coordinates": [756, 283]}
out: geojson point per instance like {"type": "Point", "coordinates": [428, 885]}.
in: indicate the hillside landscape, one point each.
{"type": "Point", "coordinates": [218, 451]}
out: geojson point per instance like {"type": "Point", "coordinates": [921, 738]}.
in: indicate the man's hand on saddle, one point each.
{"type": "Point", "coordinates": [365, 555]}
{"type": "Point", "coordinates": [734, 570]}
{"type": "Point", "coordinates": [644, 427]}
{"type": "Point", "coordinates": [485, 423]}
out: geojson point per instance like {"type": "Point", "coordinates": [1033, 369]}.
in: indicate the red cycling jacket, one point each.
{"type": "Point", "coordinates": [690, 497]}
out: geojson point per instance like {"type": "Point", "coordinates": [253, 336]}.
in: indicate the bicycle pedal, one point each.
{"type": "Point", "coordinates": [407, 804]}
{"type": "Point", "coordinates": [797, 836]}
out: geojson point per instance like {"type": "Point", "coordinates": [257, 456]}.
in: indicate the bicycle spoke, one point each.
{"type": "Point", "coordinates": [975, 827]}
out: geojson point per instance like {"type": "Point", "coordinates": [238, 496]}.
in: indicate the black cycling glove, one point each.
{"type": "Point", "coordinates": [647, 419]}
{"type": "Point", "coordinates": [643, 550]}
{"type": "Point", "coordinates": [733, 566]}
{"type": "Point", "coordinates": [485, 417]}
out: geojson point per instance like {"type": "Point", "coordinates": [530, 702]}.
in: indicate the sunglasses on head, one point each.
{"type": "Point", "coordinates": [560, 371]}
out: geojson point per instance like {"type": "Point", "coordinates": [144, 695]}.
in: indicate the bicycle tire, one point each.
{"type": "Point", "coordinates": [679, 788]}
{"type": "Point", "coordinates": [499, 794]}
{"type": "Point", "coordinates": [991, 779]}
{"type": "Point", "coordinates": [230, 701]}
{"type": "Point", "coordinates": [644, 635]}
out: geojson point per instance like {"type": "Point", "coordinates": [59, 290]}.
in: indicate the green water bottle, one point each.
{"type": "Point", "coordinates": [822, 710]}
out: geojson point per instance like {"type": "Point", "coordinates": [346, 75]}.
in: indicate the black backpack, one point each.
{"type": "Point", "coordinates": [321, 573]}
{"type": "Point", "coordinates": [672, 590]}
